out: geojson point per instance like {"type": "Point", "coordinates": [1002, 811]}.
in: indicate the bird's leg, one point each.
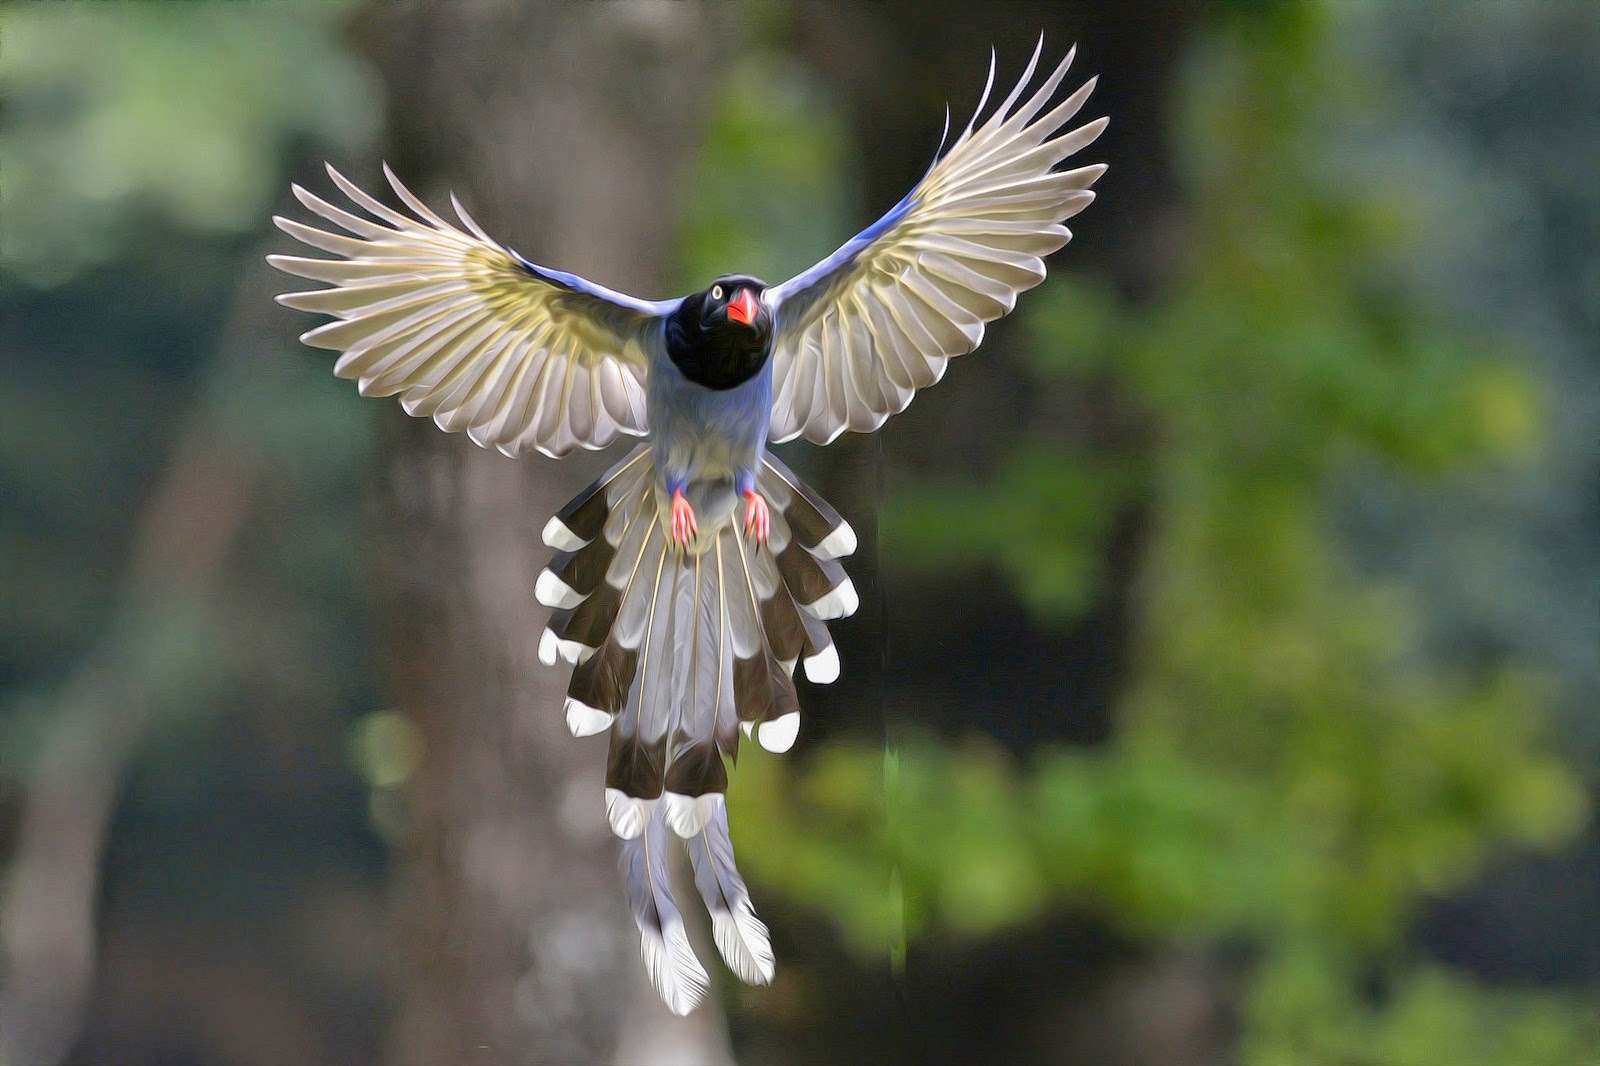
{"type": "Point", "coordinates": [757, 516]}
{"type": "Point", "coordinates": [683, 526]}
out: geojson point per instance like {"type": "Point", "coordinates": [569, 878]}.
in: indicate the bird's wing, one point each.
{"type": "Point", "coordinates": [469, 333]}
{"type": "Point", "coordinates": [858, 333]}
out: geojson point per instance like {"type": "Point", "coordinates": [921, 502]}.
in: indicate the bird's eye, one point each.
{"type": "Point", "coordinates": [716, 292]}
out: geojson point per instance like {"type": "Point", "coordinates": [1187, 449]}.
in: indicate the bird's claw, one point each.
{"type": "Point", "coordinates": [757, 517]}
{"type": "Point", "coordinates": [684, 525]}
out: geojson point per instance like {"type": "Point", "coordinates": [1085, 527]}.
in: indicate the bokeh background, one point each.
{"type": "Point", "coordinates": [1225, 685]}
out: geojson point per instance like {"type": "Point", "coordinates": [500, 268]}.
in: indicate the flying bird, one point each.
{"type": "Point", "coordinates": [697, 572]}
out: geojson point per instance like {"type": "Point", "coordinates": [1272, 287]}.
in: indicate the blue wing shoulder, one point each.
{"type": "Point", "coordinates": [574, 283]}
{"type": "Point", "coordinates": [844, 255]}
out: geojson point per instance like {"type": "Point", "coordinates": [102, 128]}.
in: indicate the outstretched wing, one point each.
{"type": "Point", "coordinates": [861, 331]}
{"type": "Point", "coordinates": [469, 333]}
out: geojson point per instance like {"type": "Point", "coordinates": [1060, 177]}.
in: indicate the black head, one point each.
{"type": "Point", "coordinates": [721, 335]}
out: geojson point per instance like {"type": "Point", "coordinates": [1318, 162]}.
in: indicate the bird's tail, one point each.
{"type": "Point", "coordinates": [675, 652]}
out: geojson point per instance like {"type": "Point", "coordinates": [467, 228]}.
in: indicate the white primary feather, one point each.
{"type": "Point", "coordinates": [861, 331]}
{"type": "Point", "coordinates": [467, 333]}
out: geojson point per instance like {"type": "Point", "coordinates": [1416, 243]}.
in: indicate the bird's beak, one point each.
{"type": "Point", "coordinates": [742, 308]}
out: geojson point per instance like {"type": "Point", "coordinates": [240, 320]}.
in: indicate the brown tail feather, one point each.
{"type": "Point", "coordinates": [809, 579]}
{"type": "Point", "coordinates": [815, 523]}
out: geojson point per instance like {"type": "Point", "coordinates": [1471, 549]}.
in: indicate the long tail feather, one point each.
{"type": "Point", "coordinates": [741, 937]}
{"type": "Point", "coordinates": [674, 969]}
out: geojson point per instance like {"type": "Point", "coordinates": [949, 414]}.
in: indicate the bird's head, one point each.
{"type": "Point", "coordinates": [733, 303]}
{"type": "Point", "coordinates": [722, 335]}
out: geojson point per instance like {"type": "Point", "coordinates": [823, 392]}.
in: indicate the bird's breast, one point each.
{"type": "Point", "coordinates": [708, 434]}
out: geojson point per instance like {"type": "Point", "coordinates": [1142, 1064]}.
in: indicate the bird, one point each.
{"type": "Point", "coordinates": [693, 576]}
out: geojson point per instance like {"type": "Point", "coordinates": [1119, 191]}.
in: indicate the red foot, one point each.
{"type": "Point", "coordinates": [684, 526]}
{"type": "Point", "coordinates": [757, 517]}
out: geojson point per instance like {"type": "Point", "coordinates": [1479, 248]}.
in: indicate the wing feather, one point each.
{"type": "Point", "coordinates": [861, 331]}
{"type": "Point", "coordinates": [467, 332]}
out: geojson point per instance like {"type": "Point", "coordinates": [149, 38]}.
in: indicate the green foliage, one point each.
{"type": "Point", "coordinates": [1289, 770]}
{"type": "Point", "coordinates": [1041, 519]}
{"type": "Point", "coordinates": [1157, 840]}
{"type": "Point", "coordinates": [765, 195]}
{"type": "Point", "coordinates": [178, 110]}
{"type": "Point", "coordinates": [978, 842]}
{"type": "Point", "coordinates": [1304, 1008]}
{"type": "Point", "coordinates": [145, 138]}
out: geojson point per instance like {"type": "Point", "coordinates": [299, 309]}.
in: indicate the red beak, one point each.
{"type": "Point", "coordinates": [742, 308]}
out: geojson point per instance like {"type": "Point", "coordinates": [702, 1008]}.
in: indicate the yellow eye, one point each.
{"type": "Point", "coordinates": [716, 292]}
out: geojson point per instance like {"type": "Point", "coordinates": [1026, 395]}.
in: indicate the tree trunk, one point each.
{"type": "Point", "coordinates": [565, 129]}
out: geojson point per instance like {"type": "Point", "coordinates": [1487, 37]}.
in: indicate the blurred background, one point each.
{"type": "Point", "coordinates": [1224, 687]}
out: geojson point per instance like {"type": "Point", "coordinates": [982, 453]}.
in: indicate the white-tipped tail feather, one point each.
{"type": "Point", "coordinates": [627, 814]}
{"type": "Point", "coordinates": [740, 935]}
{"type": "Point", "coordinates": [552, 647]}
{"type": "Point", "coordinates": [556, 535]}
{"type": "Point", "coordinates": [553, 592]}
{"type": "Point", "coordinates": [686, 815]}
{"type": "Point", "coordinates": [823, 667]}
{"type": "Point", "coordinates": [838, 544]}
{"type": "Point", "coordinates": [675, 651]}
{"type": "Point", "coordinates": [586, 721]}
{"type": "Point", "coordinates": [839, 603]}
{"type": "Point", "coordinates": [778, 735]}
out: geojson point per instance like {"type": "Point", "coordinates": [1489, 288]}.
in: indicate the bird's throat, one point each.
{"type": "Point", "coordinates": [716, 358]}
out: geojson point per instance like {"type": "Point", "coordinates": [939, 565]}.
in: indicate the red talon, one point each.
{"type": "Point", "coordinates": [684, 526]}
{"type": "Point", "coordinates": [757, 517]}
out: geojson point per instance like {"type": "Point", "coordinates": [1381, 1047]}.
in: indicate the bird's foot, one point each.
{"type": "Point", "coordinates": [684, 526]}
{"type": "Point", "coordinates": [757, 516]}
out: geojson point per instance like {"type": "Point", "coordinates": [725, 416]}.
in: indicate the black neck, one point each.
{"type": "Point", "coordinates": [716, 357]}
